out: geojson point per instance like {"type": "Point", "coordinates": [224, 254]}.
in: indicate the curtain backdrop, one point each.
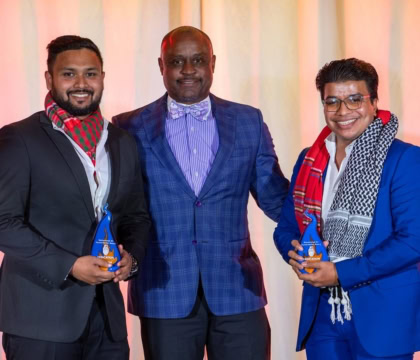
{"type": "Point", "coordinates": [268, 53]}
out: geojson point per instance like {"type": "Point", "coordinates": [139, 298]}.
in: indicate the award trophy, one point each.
{"type": "Point", "coordinates": [104, 245]}
{"type": "Point", "coordinates": [313, 248]}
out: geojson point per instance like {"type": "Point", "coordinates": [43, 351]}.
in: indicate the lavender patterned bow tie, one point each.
{"type": "Point", "coordinates": [198, 111]}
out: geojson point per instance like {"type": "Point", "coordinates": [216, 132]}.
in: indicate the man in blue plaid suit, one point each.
{"type": "Point", "coordinates": [201, 285]}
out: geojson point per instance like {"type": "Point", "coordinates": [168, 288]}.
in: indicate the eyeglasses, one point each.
{"type": "Point", "coordinates": [352, 102]}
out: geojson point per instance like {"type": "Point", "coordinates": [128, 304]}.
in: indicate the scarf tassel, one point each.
{"type": "Point", "coordinates": [337, 298]}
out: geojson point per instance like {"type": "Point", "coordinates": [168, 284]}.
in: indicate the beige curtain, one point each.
{"type": "Point", "coordinates": [268, 54]}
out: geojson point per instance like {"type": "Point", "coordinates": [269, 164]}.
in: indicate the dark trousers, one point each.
{"type": "Point", "coordinates": [233, 337]}
{"type": "Point", "coordinates": [95, 343]}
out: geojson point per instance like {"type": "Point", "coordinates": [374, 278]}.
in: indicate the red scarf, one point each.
{"type": "Point", "coordinates": [307, 193]}
{"type": "Point", "coordinates": [85, 133]}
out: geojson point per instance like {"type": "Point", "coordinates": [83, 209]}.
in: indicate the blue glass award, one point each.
{"type": "Point", "coordinates": [313, 248]}
{"type": "Point", "coordinates": [104, 245]}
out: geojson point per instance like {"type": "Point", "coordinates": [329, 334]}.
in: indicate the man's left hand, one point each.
{"type": "Point", "coordinates": [325, 274]}
{"type": "Point", "coordinates": [125, 265]}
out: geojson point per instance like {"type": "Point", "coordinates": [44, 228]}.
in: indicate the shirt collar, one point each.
{"type": "Point", "coordinates": [330, 143]}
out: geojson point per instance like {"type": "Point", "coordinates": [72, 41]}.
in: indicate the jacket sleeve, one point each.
{"type": "Point", "coordinates": [402, 248]}
{"type": "Point", "coordinates": [287, 229]}
{"type": "Point", "coordinates": [134, 223]}
{"type": "Point", "coordinates": [269, 186]}
{"type": "Point", "coordinates": [35, 256]}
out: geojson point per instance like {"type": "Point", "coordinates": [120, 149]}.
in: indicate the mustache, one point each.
{"type": "Point", "coordinates": [70, 92]}
{"type": "Point", "coordinates": [195, 78]}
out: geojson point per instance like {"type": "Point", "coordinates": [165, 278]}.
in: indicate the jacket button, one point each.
{"type": "Point", "coordinates": [198, 203]}
{"type": "Point", "coordinates": [194, 242]}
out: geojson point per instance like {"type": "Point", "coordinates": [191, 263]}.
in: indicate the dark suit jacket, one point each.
{"type": "Point", "coordinates": [205, 235]}
{"type": "Point", "coordinates": [47, 221]}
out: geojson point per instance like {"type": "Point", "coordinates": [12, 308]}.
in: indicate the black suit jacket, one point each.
{"type": "Point", "coordinates": [47, 221]}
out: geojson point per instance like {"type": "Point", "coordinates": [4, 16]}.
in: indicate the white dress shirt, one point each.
{"type": "Point", "coordinates": [333, 178]}
{"type": "Point", "coordinates": [99, 175]}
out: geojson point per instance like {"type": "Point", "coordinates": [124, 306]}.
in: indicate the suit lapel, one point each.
{"type": "Point", "coordinates": [154, 124]}
{"type": "Point", "coordinates": [226, 127]}
{"type": "Point", "coordinates": [113, 148]}
{"type": "Point", "coordinates": [70, 156]}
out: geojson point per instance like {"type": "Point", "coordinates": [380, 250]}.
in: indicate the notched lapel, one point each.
{"type": "Point", "coordinates": [154, 124]}
{"type": "Point", "coordinates": [72, 159]}
{"type": "Point", "coordinates": [226, 127]}
{"type": "Point", "coordinates": [113, 147]}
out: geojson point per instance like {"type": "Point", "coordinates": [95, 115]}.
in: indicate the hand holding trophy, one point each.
{"type": "Point", "coordinates": [104, 245]}
{"type": "Point", "coordinates": [313, 248]}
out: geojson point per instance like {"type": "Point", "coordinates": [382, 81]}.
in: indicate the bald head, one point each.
{"type": "Point", "coordinates": [170, 37]}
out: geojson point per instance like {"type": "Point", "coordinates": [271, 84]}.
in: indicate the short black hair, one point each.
{"type": "Point", "coordinates": [69, 42]}
{"type": "Point", "coordinates": [348, 70]}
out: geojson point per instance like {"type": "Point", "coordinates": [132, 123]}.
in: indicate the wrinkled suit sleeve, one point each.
{"type": "Point", "coordinates": [269, 186]}
{"type": "Point", "coordinates": [37, 256]}
{"type": "Point", "coordinates": [287, 228]}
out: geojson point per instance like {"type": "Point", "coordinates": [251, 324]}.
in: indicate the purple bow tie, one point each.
{"type": "Point", "coordinates": [198, 111]}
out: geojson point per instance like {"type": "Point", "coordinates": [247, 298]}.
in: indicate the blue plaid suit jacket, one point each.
{"type": "Point", "coordinates": [207, 235]}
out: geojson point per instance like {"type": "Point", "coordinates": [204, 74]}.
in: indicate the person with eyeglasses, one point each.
{"type": "Point", "coordinates": [362, 185]}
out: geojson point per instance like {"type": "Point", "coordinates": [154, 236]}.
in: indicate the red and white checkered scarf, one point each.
{"type": "Point", "coordinates": [85, 133]}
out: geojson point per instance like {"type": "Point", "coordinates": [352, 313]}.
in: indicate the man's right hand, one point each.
{"type": "Point", "coordinates": [295, 258]}
{"type": "Point", "coordinates": [87, 269]}
{"type": "Point", "coordinates": [296, 261]}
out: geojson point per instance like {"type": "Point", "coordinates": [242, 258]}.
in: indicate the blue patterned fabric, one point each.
{"type": "Point", "coordinates": [193, 141]}
{"type": "Point", "coordinates": [205, 234]}
{"type": "Point", "coordinates": [199, 110]}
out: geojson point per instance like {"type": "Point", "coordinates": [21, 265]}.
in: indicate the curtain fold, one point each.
{"type": "Point", "coordinates": [268, 54]}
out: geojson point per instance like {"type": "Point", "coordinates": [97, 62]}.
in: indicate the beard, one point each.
{"type": "Point", "coordinates": [73, 109]}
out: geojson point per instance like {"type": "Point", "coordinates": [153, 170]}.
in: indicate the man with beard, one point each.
{"type": "Point", "coordinates": [59, 167]}
{"type": "Point", "coordinates": [201, 284]}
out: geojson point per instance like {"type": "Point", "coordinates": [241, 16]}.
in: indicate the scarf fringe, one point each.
{"type": "Point", "coordinates": [337, 298]}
